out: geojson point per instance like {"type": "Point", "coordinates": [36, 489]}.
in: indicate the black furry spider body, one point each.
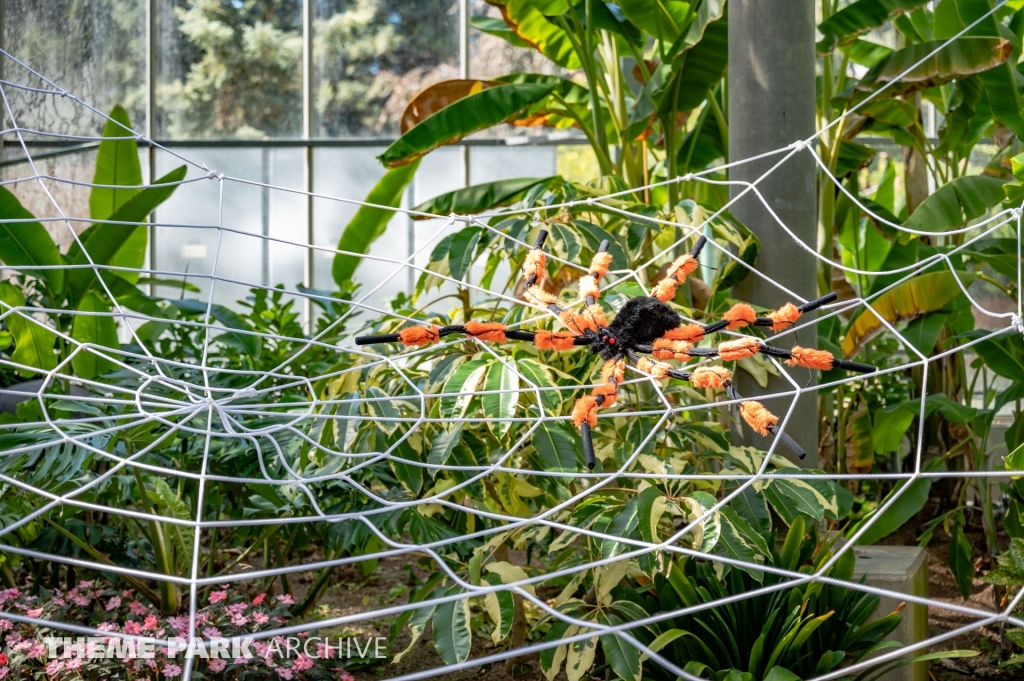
{"type": "Point", "coordinates": [645, 325]}
{"type": "Point", "coordinates": [639, 323]}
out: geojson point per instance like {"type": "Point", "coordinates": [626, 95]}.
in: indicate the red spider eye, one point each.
{"type": "Point", "coordinates": [611, 341]}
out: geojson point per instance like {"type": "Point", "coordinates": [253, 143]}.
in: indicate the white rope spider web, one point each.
{"type": "Point", "coordinates": [200, 408]}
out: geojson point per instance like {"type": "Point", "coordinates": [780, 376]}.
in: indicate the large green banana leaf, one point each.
{"type": "Point", "coordinates": [534, 28]}
{"type": "Point", "coordinates": [106, 242]}
{"type": "Point", "coordinates": [858, 18]}
{"type": "Point", "coordinates": [26, 243]}
{"type": "Point", "coordinates": [474, 112]}
{"type": "Point", "coordinates": [370, 222]}
{"type": "Point", "coordinates": [117, 163]}
{"type": "Point", "coordinates": [964, 57]}
{"type": "Point", "coordinates": [479, 197]}
{"type": "Point", "coordinates": [953, 204]}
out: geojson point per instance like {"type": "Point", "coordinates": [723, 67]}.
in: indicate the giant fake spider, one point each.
{"type": "Point", "coordinates": [645, 325]}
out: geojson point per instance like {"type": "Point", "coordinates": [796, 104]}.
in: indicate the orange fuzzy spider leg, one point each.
{"type": "Point", "coordinates": [694, 333]}
{"type": "Point", "coordinates": [417, 336]}
{"type": "Point", "coordinates": [710, 377]}
{"type": "Point", "coordinates": [492, 332]}
{"type": "Point", "coordinates": [659, 370]}
{"type": "Point", "coordinates": [678, 271]}
{"type": "Point", "coordinates": [821, 360]}
{"type": "Point", "coordinates": [554, 340]}
{"type": "Point", "coordinates": [584, 412]}
{"type": "Point", "coordinates": [757, 417]}
{"type": "Point", "coordinates": [534, 265]}
{"type": "Point", "coordinates": [741, 348]}
{"type": "Point", "coordinates": [665, 348]}
{"type": "Point", "coordinates": [739, 315]}
{"type": "Point", "coordinates": [784, 317]}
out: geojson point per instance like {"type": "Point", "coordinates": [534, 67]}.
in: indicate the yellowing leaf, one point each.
{"type": "Point", "coordinates": [580, 658]}
{"type": "Point", "coordinates": [914, 297]}
{"type": "Point", "coordinates": [560, 653]}
{"type": "Point", "coordinates": [510, 574]}
{"type": "Point", "coordinates": [608, 576]}
{"type": "Point", "coordinates": [435, 97]}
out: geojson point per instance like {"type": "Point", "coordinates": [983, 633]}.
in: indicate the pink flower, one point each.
{"type": "Point", "coordinates": [345, 676]}
{"type": "Point", "coordinates": [138, 609]}
{"type": "Point", "coordinates": [260, 618]}
{"type": "Point", "coordinates": [114, 603]}
{"type": "Point", "coordinates": [73, 663]}
{"type": "Point", "coordinates": [107, 626]}
{"type": "Point", "coordinates": [255, 601]}
{"type": "Point", "coordinates": [19, 646]}
{"type": "Point", "coordinates": [81, 600]}
{"type": "Point", "coordinates": [132, 627]}
{"type": "Point", "coordinates": [172, 670]}
{"type": "Point", "coordinates": [303, 662]}
{"type": "Point", "coordinates": [284, 673]}
{"type": "Point", "coordinates": [286, 599]}
{"type": "Point", "coordinates": [218, 596]}
{"type": "Point", "coordinates": [324, 651]}
{"type": "Point", "coordinates": [86, 585]}
{"type": "Point", "coordinates": [179, 623]}
{"type": "Point", "coordinates": [37, 651]}
{"type": "Point", "coordinates": [211, 632]}
{"type": "Point", "coordinates": [58, 601]}
{"type": "Point", "coordinates": [127, 592]}
{"type": "Point", "coordinates": [241, 660]}
{"type": "Point", "coordinates": [151, 623]}
{"type": "Point", "coordinates": [6, 625]}
{"type": "Point", "coordinates": [239, 620]}
{"type": "Point", "coordinates": [34, 613]}
{"type": "Point", "coordinates": [54, 667]}
{"type": "Point", "coordinates": [217, 665]}
{"type": "Point", "coordinates": [4, 671]}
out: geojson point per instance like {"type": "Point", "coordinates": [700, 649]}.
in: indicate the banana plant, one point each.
{"type": "Point", "coordinates": [99, 268]}
{"type": "Point", "coordinates": [974, 84]}
{"type": "Point", "coordinates": [647, 69]}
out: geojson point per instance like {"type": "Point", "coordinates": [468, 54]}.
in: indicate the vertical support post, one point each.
{"type": "Point", "coordinates": [464, 74]}
{"type": "Point", "coordinates": [265, 178]}
{"type": "Point", "coordinates": [151, 123]}
{"type": "Point", "coordinates": [771, 105]}
{"type": "Point", "coordinates": [308, 125]}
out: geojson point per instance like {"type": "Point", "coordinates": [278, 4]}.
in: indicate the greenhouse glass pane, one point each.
{"type": "Point", "coordinates": [187, 240]}
{"type": "Point", "coordinates": [93, 50]}
{"type": "Point", "coordinates": [229, 69]}
{"type": "Point", "coordinates": [372, 56]}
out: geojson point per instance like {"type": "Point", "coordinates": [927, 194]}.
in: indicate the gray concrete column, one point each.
{"type": "Point", "coordinates": [771, 105]}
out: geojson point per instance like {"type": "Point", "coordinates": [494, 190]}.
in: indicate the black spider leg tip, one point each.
{"type": "Point", "coordinates": [373, 340]}
{"type": "Point", "coordinates": [717, 326]}
{"type": "Point", "coordinates": [806, 307]}
{"type": "Point", "coordinates": [789, 442]}
{"type": "Point", "coordinates": [699, 246]}
{"type": "Point", "coordinates": [588, 446]}
{"type": "Point", "coordinates": [588, 440]}
{"type": "Point", "coordinates": [836, 363]}
{"type": "Point", "coordinates": [815, 304]}
{"type": "Point", "coordinates": [853, 366]}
